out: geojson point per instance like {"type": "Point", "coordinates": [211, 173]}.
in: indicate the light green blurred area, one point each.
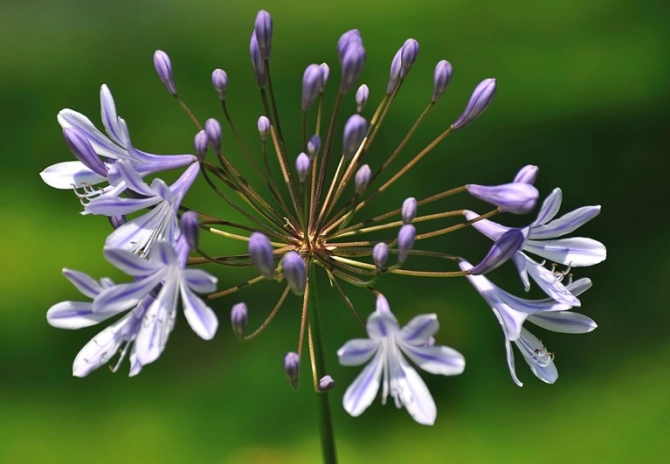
{"type": "Point", "coordinates": [582, 92]}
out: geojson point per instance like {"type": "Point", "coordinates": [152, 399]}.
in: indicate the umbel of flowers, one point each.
{"type": "Point", "coordinates": [307, 221]}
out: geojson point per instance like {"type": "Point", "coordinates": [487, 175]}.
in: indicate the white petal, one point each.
{"type": "Point", "coordinates": [549, 208]}
{"type": "Point", "coordinates": [540, 362]}
{"type": "Point", "coordinates": [125, 296]}
{"type": "Point", "coordinates": [381, 325]}
{"type": "Point", "coordinates": [565, 224]}
{"type": "Point", "coordinates": [362, 392]}
{"type": "Point", "coordinates": [550, 283]}
{"type": "Point", "coordinates": [358, 351]}
{"type": "Point", "coordinates": [70, 174]}
{"type": "Point", "coordinates": [99, 350]}
{"type": "Point", "coordinates": [110, 118]}
{"type": "Point", "coordinates": [414, 394]}
{"type": "Point", "coordinates": [74, 315]}
{"type": "Point", "coordinates": [157, 324]}
{"type": "Point", "coordinates": [130, 263]}
{"type": "Point", "coordinates": [520, 263]}
{"type": "Point", "coordinates": [199, 316]}
{"type": "Point", "coordinates": [486, 227]}
{"type": "Point", "coordinates": [575, 251]}
{"type": "Point", "coordinates": [564, 322]}
{"type": "Point", "coordinates": [83, 282]}
{"type": "Point", "coordinates": [419, 329]}
{"type": "Point", "coordinates": [199, 280]}
{"type": "Point", "coordinates": [435, 359]}
{"type": "Point", "coordinates": [510, 363]}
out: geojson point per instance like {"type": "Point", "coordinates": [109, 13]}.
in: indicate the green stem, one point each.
{"type": "Point", "coordinates": [325, 419]}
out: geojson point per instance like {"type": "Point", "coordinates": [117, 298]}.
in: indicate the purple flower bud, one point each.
{"type": "Point", "coordinates": [213, 131]}
{"type": "Point", "coordinates": [292, 368]}
{"type": "Point", "coordinates": [443, 72]}
{"type": "Point", "coordinates": [263, 30]}
{"type": "Point", "coordinates": [396, 66]}
{"type": "Point", "coordinates": [117, 221]}
{"type": "Point", "coordinates": [352, 62]}
{"type": "Point", "coordinates": [408, 53]}
{"type": "Point", "coordinates": [260, 252]}
{"type": "Point", "coordinates": [200, 142]}
{"type": "Point", "coordinates": [349, 37]}
{"type": "Point", "coordinates": [302, 165]}
{"type": "Point", "coordinates": [326, 383]}
{"type": "Point", "coordinates": [405, 241]}
{"type": "Point", "coordinates": [313, 146]}
{"type": "Point", "coordinates": [257, 62]}
{"type": "Point", "coordinates": [380, 253]}
{"type": "Point", "coordinates": [238, 319]}
{"type": "Point", "coordinates": [408, 211]}
{"type": "Point", "coordinates": [190, 228]}
{"type": "Point", "coordinates": [527, 174]}
{"type": "Point", "coordinates": [312, 83]}
{"type": "Point", "coordinates": [516, 198]}
{"type": "Point", "coordinates": [263, 127]}
{"type": "Point", "coordinates": [295, 272]}
{"type": "Point", "coordinates": [362, 178]}
{"type": "Point", "coordinates": [82, 149]}
{"type": "Point", "coordinates": [509, 243]}
{"type": "Point", "coordinates": [164, 71]}
{"type": "Point", "coordinates": [326, 74]}
{"type": "Point", "coordinates": [480, 100]}
{"type": "Point", "coordinates": [220, 82]}
{"type": "Point", "coordinates": [382, 304]}
{"type": "Point", "coordinates": [354, 133]}
{"type": "Point", "coordinates": [362, 95]}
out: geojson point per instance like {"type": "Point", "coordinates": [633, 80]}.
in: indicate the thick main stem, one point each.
{"type": "Point", "coordinates": [325, 419]}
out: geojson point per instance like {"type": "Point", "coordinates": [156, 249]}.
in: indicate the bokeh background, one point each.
{"type": "Point", "coordinates": [582, 92]}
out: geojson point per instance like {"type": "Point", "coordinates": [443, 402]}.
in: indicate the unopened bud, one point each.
{"type": "Point", "coordinates": [261, 254]}
{"type": "Point", "coordinates": [354, 133]}
{"type": "Point", "coordinates": [263, 127]}
{"type": "Point", "coordinates": [352, 61]}
{"type": "Point", "coordinates": [380, 254]}
{"type": "Point", "coordinates": [382, 304]}
{"type": "Point", "coordinates": [200, 143]}
{"type": "Point", "coordinates": [313, 146]}
{"type": "Point", "coordinates": [326, 383]}
{"type": "Point", "coordinates": [527, 174]}
{"type": "Point", "coordinates": [295, 272]}
{"type": "Point", "coordinates": [312, 83]}
{"type": "Point", "coordinates": [220, 83]}
{"type": "Point", "coordinates": [480, 100]}
{"type": "Point", "coordinates": [257, 62]}
{"type": "Point", "coordinates": [292, 368]}
{"type": "Point", "coordinates": [190, 228]}
{"type": "Point", "coordinates": [509, 243]}
{"type": "Point", "coordinates": [394, 74]}
{"type": "Point", "coordinates": [362, 95]}
{"type": "Point", "coordinates": [164, 70]}
{"type": "Point", "coordinates": [362, 178]}
{"type": "Point", "coordinates": [263, 30]}
{"type": "Point", "coordinates": [441, 78]}
{"type": "Point", "coordinates": [408, 54]}
{"type": "Point", "coordinates": [238, 319]}
{"type": "Point", "coordinates": [405, 241]}
{"type": "Point", "coordinates": [408, 211]}
{"type": "Point", "coordinates": [82, 149]}
{"type": "Point", "coordinates": [213, 131]}
{"type": "Point", "coordinates": [326, 74]}
{"type": "Point", "coordinates": [302, 165]}
{"type": "Point", "coordinates": [516, 197]}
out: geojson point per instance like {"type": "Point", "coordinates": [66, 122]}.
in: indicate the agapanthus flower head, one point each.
{"type": "Point", "coordinates": [296, 219]}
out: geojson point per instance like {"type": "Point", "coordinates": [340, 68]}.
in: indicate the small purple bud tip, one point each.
{"type": "Point", "coordinates": [260, 252]}
{"type": "Point", "coordinates": [349, 37]}
{"type": "Point", "coordinates": [441, 79]}
{"type": "Point", "coordinates": [480, 100]}
{"type": "Point", "coordinates": [516, 198]}
{"type": "Point", "coordinates": [362, 95]}
{"type": "Point", "coordinates": [292, 368]}
{"type": "Point", "coordinates": [394, 75]}
{"type": "Point", "coordinates": [313, 146]}
{"type": "Point", "coordinates": [190, 228]}
{"type": "Point", "coordinates": [362, 178]}
{"type": "Point", "coordinates": [326, 383]}
{"type": "Point", "coordinates": [200, 141]}
{"type": "Point", "coordinates": [405, 241]}
{"type": "Point", "coordinates": [263, 127]}
{"type": "Point", "coordinates": [302, 165]}
{"type": "Point", "coordinates": [326, 74]}
{"type": "Point", "coordinates": [430, 342]}
{"type": "Point", "coordinates": [164, 71]}
{"type": "Point", "coordinates": [382, 304]}
{"type": "Point", "coordinates": [117, 221]}
{"type": "Point", "coordinates": [352, 62]}
{"type": "Point", "coordinates": [263, 30]}
{"type": "Point", "coordinates": [408, 211]}
{"type": "Point", "coordinates": [213, 131]}
{"type": "Point", "coordinates": [238, 319]}
{"type": "Point", "coordinates": [509, 243]}
{"type": "Point", "coordinates": [527, 174]}
{"type": "Point", "coordinates": [408, 54]}
{"type": "Point", "coordinates": [220, 82]}
{"type": "Point", "coordinates": [354, 133]}
{"type": "Point", "coordinates": [380, 254]}
{"type": "Point", "coordinates": [312, 83]}
{"type": "Point", "coordinates": [295, 272]}
{"type": "Point", "coordinates": [257, 62]}
{"type": "Point", "coordinates": [82, 149]}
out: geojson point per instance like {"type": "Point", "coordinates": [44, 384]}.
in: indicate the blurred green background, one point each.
{"type": "Point", "coordinates": [582, 92]}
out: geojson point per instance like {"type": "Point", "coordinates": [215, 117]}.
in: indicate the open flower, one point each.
{"type": "Point", "coordinates": [383, 352]}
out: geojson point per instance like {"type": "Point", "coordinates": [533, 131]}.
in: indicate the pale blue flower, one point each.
{"type": "Point", "coordinates": [383, 351]}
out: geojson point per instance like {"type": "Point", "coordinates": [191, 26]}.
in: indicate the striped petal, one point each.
{"type": "Point", "coordinates": [549, 208]}
{"type": "Point", "coordinates": [419, 329]}
{"type": "Point", "coordinates": [363, 390]}
{"type": "Point", "coordinates": [565, 224]}
{"type": "Point", "coordinates": [356, 352]}
{"type": "Point", "coordinates": [69, 175]}
{"type": "Point", "coordinates": [564, 322]}
{"type": "Point", "coordinates": [199, 316]}
{"type": "Point", "coordinates": [435, 359]}
{"type": "Point", "coordinates": [575, 251]}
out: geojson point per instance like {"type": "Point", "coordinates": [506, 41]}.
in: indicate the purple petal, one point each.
{"type": "Point", "coordinates": [115, 206]}
{"type": "Point", "coordinates": [564, 322]}
{"type": "Point", "coordinates": [580, 286]}
{"type": "Point", "coordinates": [74, 315]}
{"type": "Point", "coordinates": [363, 390]}
{"type": "Point", "coordinates": [503, 249]}
{"type": "Point", "coordinates": [419, 329]}
{"type": "Point", "coordinates": [519, 260]}
{"type": "Point", "coordinates": [125, 296]}
{"type": "Point", "coordinates": [129, 263]}
{"type": "Point", "coordinates": [565, 224]}
{"type": "Point", "coordinates": [110, 118]}
{"type": "Point", "coordinates": [101, 143]}
{"type": "Point", "coordinates": [199, 280]}
{"type": "Point", "coordinates": [510, 363]}
{"type": "Point", "coordinates": [84, 283]}
{"type": "Point", "coordinates": [435, 359]}
{"type": "Point", "coordinates": [356, 352]}
{"type": "Point", "coordinates": [486, 227]}
{"type": "Point", "coordinates": [125, 171]}
{"type": "Point", "coordinates": [381, 325]}
{"type": "Point", "coordinates": [549, 208]}
{"type": "Point", "coordinates": [200, 317]}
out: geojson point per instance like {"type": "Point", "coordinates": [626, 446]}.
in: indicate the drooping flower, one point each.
{"type": "Point", "coordinates": [385, 352]}
{"type": "Point", "coordinates": [512, 312]}
{"type": "Point", "coordinates": [116, 145]}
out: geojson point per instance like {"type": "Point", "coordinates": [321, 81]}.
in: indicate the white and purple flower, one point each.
{"type": "Point", "coordinates": [383, 351]}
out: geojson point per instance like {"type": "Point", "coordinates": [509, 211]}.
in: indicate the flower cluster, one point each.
{"type": "Point", "coordinates": [304, 220]}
